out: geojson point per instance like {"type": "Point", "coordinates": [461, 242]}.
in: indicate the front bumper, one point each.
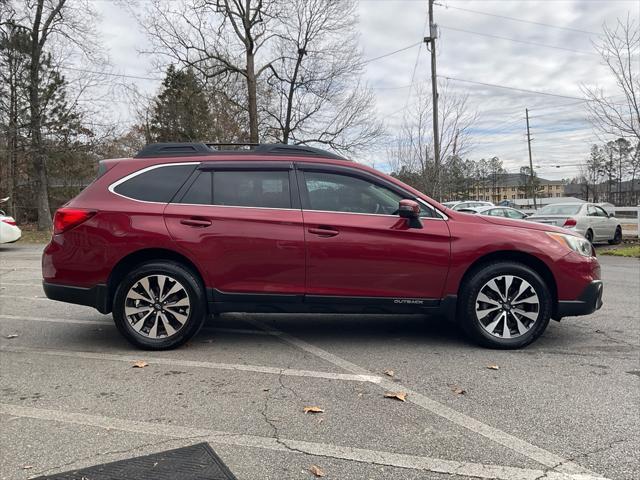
{"type": "Point", "coordinates": [588, 302]}
{"type": "Point", "coordinates": [95, 296]}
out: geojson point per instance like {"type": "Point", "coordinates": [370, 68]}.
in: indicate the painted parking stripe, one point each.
{"type": "Point", "coordinates": [540, 455]}
{"type": "Point", "coordinates": [436, 465]}
{"type": "Point", "coordinates": [71, 321]}
{"type": "Point", "coordinates": [291, 372]}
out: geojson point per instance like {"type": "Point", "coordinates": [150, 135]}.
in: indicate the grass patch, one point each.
{"type": "Point", "coordinates": [30, 234]}
{"type": "Point", "coordinates": [630, 251]}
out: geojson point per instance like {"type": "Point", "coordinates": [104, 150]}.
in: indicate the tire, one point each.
{"type": "Point", "coordinates": [589, 235]}
{"type": "Point", "coordinates": [478, 318]}
{"type": "Point", "coordinates": [164, 325]}
{"type": "Point", "coordinates": [617, 237]}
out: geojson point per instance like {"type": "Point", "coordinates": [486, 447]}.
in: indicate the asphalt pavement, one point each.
{"type": "Point", "coordinates": [566, 407]}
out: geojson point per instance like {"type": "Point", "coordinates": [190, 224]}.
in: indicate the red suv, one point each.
{"type": "Point", "coordinates": [186, 230]}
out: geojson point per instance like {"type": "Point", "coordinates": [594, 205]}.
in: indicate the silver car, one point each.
{"type": "Point", "coordinates": [587, 219]}
{"type": "Point", "coordinates": [497, 211]}
{"type": "Point", "coordinates": [468, 204]}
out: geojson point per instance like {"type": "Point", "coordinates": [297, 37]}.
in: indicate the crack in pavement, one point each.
{"type": "Point", "coordinates": [575, 457]}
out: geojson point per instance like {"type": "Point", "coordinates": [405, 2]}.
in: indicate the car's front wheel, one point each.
{"type": "Point", "coordinates": [159, 305]}
{"type": "Point", "coordinates": [617, 237]}
{"type": "Point", "coordinates": [504, 305]}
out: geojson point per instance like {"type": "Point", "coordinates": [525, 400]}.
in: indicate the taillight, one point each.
{"type": "Point", "coordinates": [66, 218]}
{"type": "Point", "coordinates": [570, 222]}
{"type": "Point", "coordinates": [9, 221]}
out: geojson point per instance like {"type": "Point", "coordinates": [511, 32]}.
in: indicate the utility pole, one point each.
{"type": "Point", "coordinates": [533, 188]}
{"type": "Point", "coordinates": [431, 42]}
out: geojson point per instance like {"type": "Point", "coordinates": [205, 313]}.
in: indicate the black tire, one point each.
{"type": "Point", "coordinates": [195, 294]}
{"type": "Point", "coordinates": [468, 317]}
{"type": "Point", "coordinates": [589, 235]}
{"type": "Point", "coordinates": [617, 237]}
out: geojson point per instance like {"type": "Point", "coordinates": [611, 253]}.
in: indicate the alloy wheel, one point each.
{"type": "Point", "coordinates": [157, 306]}
{"type": "Point", "coordinates": [507, 306]}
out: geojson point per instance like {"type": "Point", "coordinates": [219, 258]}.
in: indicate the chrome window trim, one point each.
{"type": "Point", "coordinates": [139, 172]}
{"type": "Point", "coordinates": [230, 206]}
{"type": "Point", "coordinates": [367, 214]}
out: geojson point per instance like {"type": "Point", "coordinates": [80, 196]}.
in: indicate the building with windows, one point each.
{"type": "Point", "coordinates": [507, 186]}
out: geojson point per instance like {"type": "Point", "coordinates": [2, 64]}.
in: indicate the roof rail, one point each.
{"type": "Point", "coordinates": [172, 149]}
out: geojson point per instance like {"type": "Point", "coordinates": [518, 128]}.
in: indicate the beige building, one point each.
{"type": "Point", "coordinates": [506, 187]}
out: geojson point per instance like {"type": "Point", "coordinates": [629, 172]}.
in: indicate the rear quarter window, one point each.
{"type": "Point", "coordinates": [158, 184]}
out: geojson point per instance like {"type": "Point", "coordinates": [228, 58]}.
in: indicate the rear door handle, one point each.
{"type": "Point", "coordinates": [196, 222]}
{"type": "Point", "coordinates": [324, 231]}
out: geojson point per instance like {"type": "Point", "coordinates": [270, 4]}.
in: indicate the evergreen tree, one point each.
{"type": "Point", "coordinates": [180, 113]}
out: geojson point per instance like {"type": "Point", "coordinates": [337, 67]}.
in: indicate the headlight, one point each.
{"type": "Point", "coordinates": [577, 244]}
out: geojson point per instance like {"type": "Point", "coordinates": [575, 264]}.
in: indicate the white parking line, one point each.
{"type": "Point", "coordinates": [71, 321]}
{"type": "Point", "coordinates": [436, 465]}
{"type": "Point", "coordinates": [505, 439]}
{"type": "Point", "coordinates": [290, 372]}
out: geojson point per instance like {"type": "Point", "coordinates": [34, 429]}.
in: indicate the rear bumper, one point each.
{"type": "Point", "coordinates": [588, 302]}
{"type": "Point", "coordinates": [95, 296]}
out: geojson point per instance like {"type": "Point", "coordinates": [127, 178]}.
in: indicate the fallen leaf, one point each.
{"type": "Point", "coordinates": [389, 373]}
{"type": "Point", "coordinates": [316, 470]}
{"type": "Point", "coordinates": [12, 335]}
{"type": "Point", "coordinates": [402, 396]}
{"type": "Point", "coordinates": [458, 390]}
{"type": "Point", "coordinates": [313, 410]}
{"type": "Point", "coordinates": [139, 364]}
{"type": "Point", "coordinates": [493, 367]}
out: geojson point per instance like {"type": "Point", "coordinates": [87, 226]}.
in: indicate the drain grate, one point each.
{"type": "Point", "coordinates": [196, 462]}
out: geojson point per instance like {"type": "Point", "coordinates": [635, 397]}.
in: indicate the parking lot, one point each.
{"type": "Point", "coordinates": [567, 407]}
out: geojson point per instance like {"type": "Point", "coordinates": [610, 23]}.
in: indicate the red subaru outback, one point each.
{"type": "Point", "coordinates": [184, 230]}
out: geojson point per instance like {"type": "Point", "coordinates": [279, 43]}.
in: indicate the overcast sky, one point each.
{"type": "Point", "coordinates": [561, 132]}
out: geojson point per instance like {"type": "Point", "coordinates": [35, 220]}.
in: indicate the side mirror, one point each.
{"type": "Point", "coordinates": [410, 209]}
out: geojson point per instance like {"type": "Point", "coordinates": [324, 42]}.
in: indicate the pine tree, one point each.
{"type": "Point", "coordinates": [180, 113]}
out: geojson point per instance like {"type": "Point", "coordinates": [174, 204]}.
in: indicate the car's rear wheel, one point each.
{"type": "Point", "coordinates": [617, 237]}
{"type": "Point", "coordinates": [159, 305]}
{"type": "Point", "coordinates": [589, 235]}
{"type": "Point", "coordinates": [504, 305]}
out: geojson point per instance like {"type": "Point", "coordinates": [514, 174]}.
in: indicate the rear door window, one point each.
{"type": "Point", "coordinates": [157, 184]}
{"type": "Point", "coordinates": [265, 189]}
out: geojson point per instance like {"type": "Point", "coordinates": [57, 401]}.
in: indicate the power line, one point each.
{"type": "Point", "coordinates": [364, 62]}
{"type": "Point", "coordinates": [526, 42]}
{"type": "Point", "coordinates": [122, 75]}
{"type": "Point", "coordinates": [524, 90]}
{"type": "Point", "coordinates": [514, 19]}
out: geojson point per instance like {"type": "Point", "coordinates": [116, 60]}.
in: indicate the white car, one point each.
{"type": "Point", "coordinates": [9, 231]}
{"type": "Point", "coordinates": [497, 211]}
{"type": "Point", "coordinates": [587, 219]}
{"type": "Point", "coordinates": [468, 204]}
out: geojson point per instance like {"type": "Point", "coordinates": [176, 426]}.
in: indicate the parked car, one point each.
{"type": "Point", "coordinates": [183, 230]}
{"type": "Point", "coordinates": [587, 219]}
{"type": "Point", "coordinates": [506, 212]}
{"type": "Point", "coordinates": [9, 231]}
{"type": "Point", "coordinates": [468, 204]}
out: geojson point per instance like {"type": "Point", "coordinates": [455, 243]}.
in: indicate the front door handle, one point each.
{"type": "Point", "coordinates": [324, 231]}
{"type": "Point", "coordinates": [196, 222]}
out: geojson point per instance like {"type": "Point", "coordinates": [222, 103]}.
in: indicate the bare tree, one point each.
{"type": "Point", "coordinates": [218, 38]}
{"type": "Point", "coordinates": [621, 118]}
{"type": "Point", "coordinates": [315, 92]}
{"type": "Point", "coordinates": [414, 145]}
{"type": "Point", "coordinates": [47, 23]}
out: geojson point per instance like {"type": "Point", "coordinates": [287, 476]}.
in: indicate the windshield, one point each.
{"type": "Point", "coordinates": [566, 209]}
